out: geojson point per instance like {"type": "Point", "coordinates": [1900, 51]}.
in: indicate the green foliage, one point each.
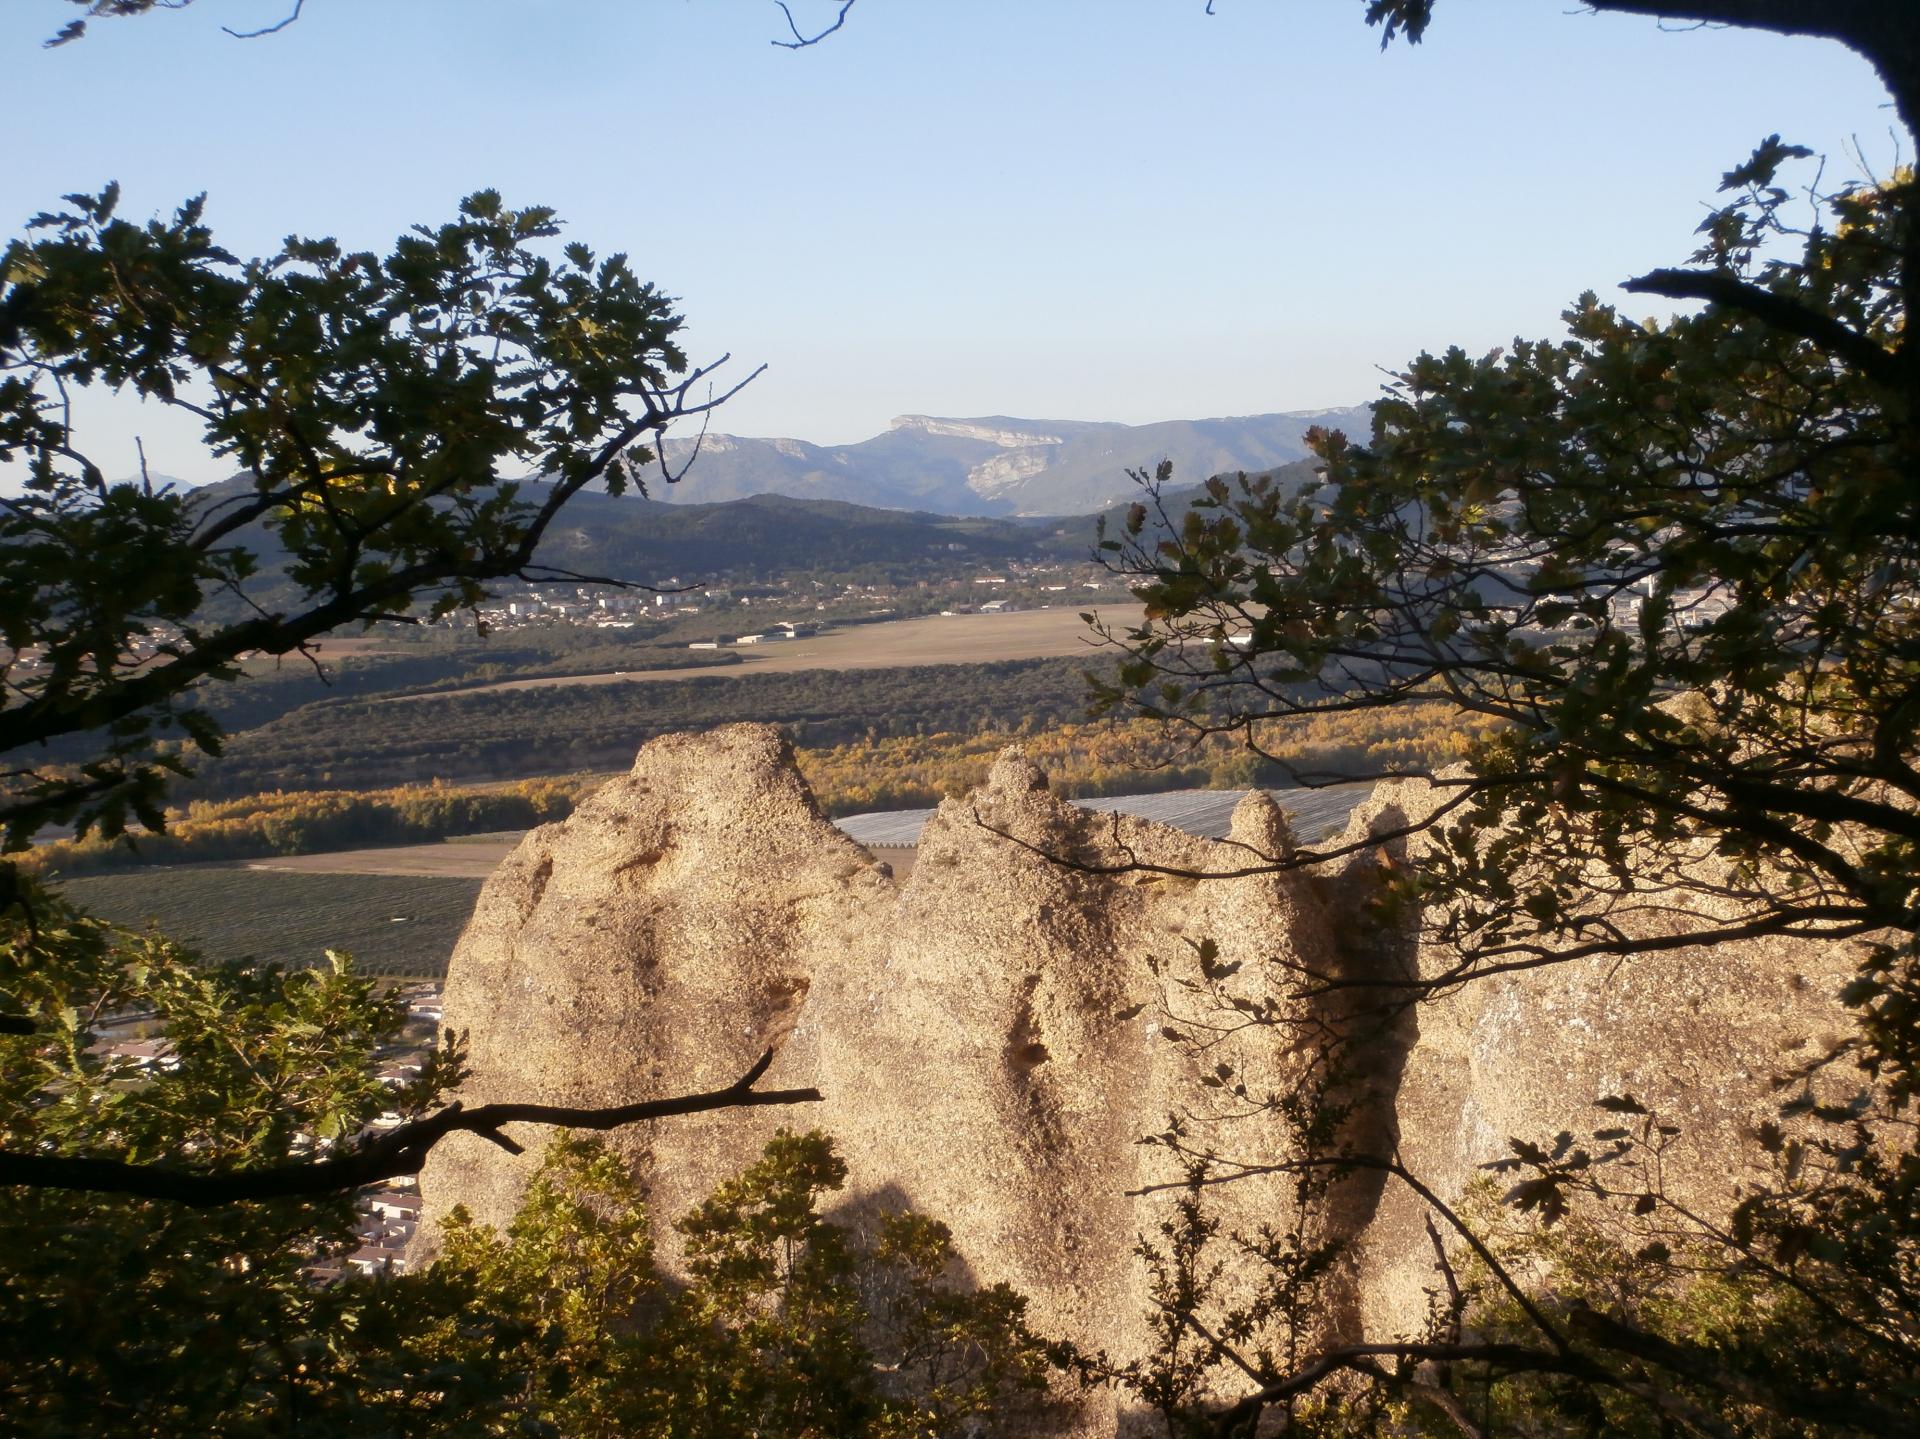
{"type": "Point", "coordinates": [1795, 1314]}
{"type": "Point", "coordinates": [1400, 17]}
{"type": "Point", "coordinates": [370, 403]}
{"type": "Point", "coordinates": [1673, 558]}
{"type": "Point", "coordinates": [1678, 564]}
{"type": "Point", "coordinates": [108, 9]}
{"type": "Point", "coordinates": [132, 1316]}
{"type": "Point", "coordinates": [126, 1315]}
{"type": "Point", "coordinates": [1676, 560]}
{"type": "Point", "coordinates": [785, 1324]}
{"type": "Point", "coordinates": [262, 1056]}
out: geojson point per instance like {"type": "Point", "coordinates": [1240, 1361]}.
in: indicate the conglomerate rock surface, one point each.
{"type": "Point", "coordinates": [1697, 1034]}
{"type": "Point", "coordinates": [990, 1037]}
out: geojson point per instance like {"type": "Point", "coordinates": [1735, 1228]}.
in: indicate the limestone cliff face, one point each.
{"type": "Point", "coordinates": [1006, 436]}
{"type": "Point", "coordinates": [988, 1033]}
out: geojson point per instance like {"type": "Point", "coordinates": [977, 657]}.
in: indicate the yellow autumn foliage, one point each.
{"type": "Point", "coordinates": [904, 772]}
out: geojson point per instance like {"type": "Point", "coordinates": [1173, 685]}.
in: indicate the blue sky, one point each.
{"type": "Point", "coordinates": [1088, 209]}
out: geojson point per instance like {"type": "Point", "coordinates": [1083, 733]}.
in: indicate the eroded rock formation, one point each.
{"type": "Point", "coordinates": [989, 1033]}
{"type": "Point", "coordinates": [1697, 1034]}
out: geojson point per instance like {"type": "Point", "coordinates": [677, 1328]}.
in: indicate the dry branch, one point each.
{"type": "Point", "coordinates": [401, 1151]}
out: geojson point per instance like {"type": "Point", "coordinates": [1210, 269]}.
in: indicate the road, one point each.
{"type": "Point", "coordinates": [892, 835]}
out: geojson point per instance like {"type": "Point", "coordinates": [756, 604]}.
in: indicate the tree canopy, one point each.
{"type": "Point", "coordinates": [1675, 560]}
{"type": "Point", "coordinates": [373, 402]}
{"type": "Point", "coordinates": [1672, 564]}
{"type": "Point", "coordinates": [370, 403]}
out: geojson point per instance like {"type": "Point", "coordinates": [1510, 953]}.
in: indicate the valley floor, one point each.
{"type": "Point", "coordinates": [932, 640]}
{"type": "Point", "coordinates": [400, 910]}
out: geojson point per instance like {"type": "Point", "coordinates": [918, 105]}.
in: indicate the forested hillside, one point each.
{"type": "Point", "coordinates": [768, 537]}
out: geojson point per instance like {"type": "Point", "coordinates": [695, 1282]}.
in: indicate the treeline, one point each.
{"type": "Point", "coordinates": [903, 772]}
{"type": "Point", "coordinates": [315, 821]}
{"type": "Point", "coordinates": [1137, 757]}
{"type": "Point", "coordinates": [564, 729]}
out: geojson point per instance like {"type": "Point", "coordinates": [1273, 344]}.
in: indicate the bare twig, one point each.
{"type": "Point", "coordinates": [801, 41]}
{"type": "Point", "coordinates": [266, 29]}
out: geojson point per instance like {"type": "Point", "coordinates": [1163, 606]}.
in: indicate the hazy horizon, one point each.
{"type": "Point", "coordinates": [995, 209]}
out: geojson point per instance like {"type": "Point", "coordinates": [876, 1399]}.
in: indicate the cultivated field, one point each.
{"type": "Point", "coordinates": [933, 640]}
{"type": "Point", "coordinates": [400, 910]}
{"type": "Point", "coordinates": [474, 857]}
{"type": "Point", "coordinates": [399, 925]}
{"type": "Point", "coordinates": [340, 647]}
{"type": "Point", "coordinates": [891, 835]}
{"type": "Point", "coordinates": [466, 859]}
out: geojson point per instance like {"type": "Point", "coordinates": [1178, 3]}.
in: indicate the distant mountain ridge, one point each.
{"type": "Point", "coordinates": [763, 537]}
{"type": "Point", "coordinates": [994, 465]}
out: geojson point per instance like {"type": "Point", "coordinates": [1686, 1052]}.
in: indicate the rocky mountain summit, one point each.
{"type": "Point", "coordinates": [991, 1034]}
{"type": "Point", "coordinates": [995, 465]}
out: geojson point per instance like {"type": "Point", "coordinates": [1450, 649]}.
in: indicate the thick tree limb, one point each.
{"type": "Point", "coordinates": [402, 1151]}
{"type": "Point", "coordinates": [1507, 1358]}
{"type": "Point", "coordinates": [1885, 32]}
{"type": "Point", "coordinates": [1692, 1364]}
{"type": "Point", "coordinates": [1839, 20]}
{"type": "Point", "coordinates": [1873, 360]}
{"type": "Point", "coordinates": [1704, 1366]}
